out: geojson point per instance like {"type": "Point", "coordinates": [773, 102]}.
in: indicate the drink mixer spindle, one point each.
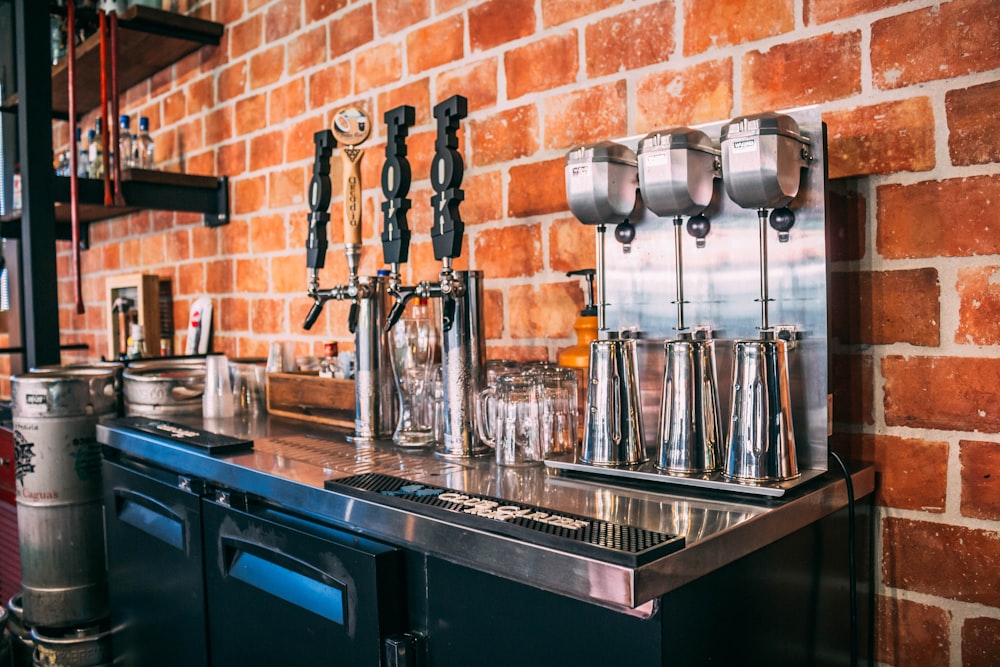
{"type": "Point", "coordinates": [678, 169]}
{"type": "Point", "coordinates": [762, 158]}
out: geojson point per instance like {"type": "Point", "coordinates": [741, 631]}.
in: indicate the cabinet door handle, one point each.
{"type": "Point", "coordinates": [150, 516]}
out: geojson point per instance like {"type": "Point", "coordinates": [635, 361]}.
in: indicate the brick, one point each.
{"type": "Point", "coordinates": [714, 25]}
{"type": "Point", "coordinates": [509, 252]}
{"type": "Point", "coordinates": [497, 22]}
{"type": "Point", "coordinates": [943, 560]}
{"type": "Point", "coordinates": [493, 311]}
{"type": "Point", "coordinates": [542, 311]}
{"type": "Point", "coordinates": [227, 12]}
{"type": "Point", "coordinates": [950, 393]}
{"type": "Point", "coordinates": [351, 31]}
{"type": "Point", "coordinates": [416, 93]}
{"type": "Point", "coordinates": [232, 82]}
{"type": "Point", "coordinates": [881, 139]}
{"type": "Point", "coordinates": [980, 642]}
{"type": "Point", "coordinates": [176, 245]}
{"type": "Point", "coordinates": [200, 163]}
{"type": "Point", "coordinates": [506, 135]}
{"type": "Point", "coordinates": [265, 150]}
{"type": "Point", "coordinates": [200, 95]}
{"type": "Point", "coordinates": [151, 250]}
{"type": "Point", "coordinates": [378, 66]}
{"type": "Point", "coordinates": [251, 275]}
{"type": "Point", "coordinates": [173, 108]}
{"type": "Point", "coordinates": [245, 36]}
{"type": "Point", "coordinates": [436, 44]}
{"type": "Point", "coordinates": [286, 101]}
{"type": "Point", "coordinates": [287, 274]}
{"type": "Point", "coordinates": [287, 187]}
{"type": "Point", "coordinates": [204, 241]}
{"type": "Point", "coordinates": [846, 214]}
{"type": "Point", "coordinates": [611, 44]}
{"type": "Point", "coordinates": [966, 35]}
{"type": "Point", "coordinates": [542, 65]}
{"type": "Point", "coordinates": [219, 276]}
{"type": "Point", "coordinates": [191, 279]}
{"type": "Point", "coordinates": [306, 50]}
{"type": "Point", "coordinates": [190, 136]}
{"type": "Point", "coordinates": [396, 15]}
{"type": "Point", "coordinates": [979, 305]}
{"type": "Point", "coordinates": [231, 159]}
{"type": "Point", "coordinates": [602, 107]}
{"type": "Point", "coordinates": [952, 218]}
{"type": "Point", "coordinates": [913, 472]}
{"type": "Point", "coordinates": [852, 378]}
{"type": "Point", "coordinates": [476, 81]}
{"type": "Point", "coordinates": [571, 246]}
{"type": "Point", "coordinates": [317, 10]}
{"type": "Point", "coordinates": [823, 11]}
{"type": "Point", "coordinates": [980, 479]}
{"type": "Point", "coordinates": [219, 125]}
{"type": "Point", "coordinates": [267, 66]}
{"type": "Point", "coordinates": [329, 84]}
{"type": "Point", "coordinates": [690, 96]}
{"type": "Point", "coordinates": [883, 307]}
{"type": "Point", "coordinates": [268, 233]}
{"type": "Point", "coordinates": [787, 74]}
{"type": "Point", "coordinates": [974, 124]}
{"type": "Point", "coordinates": [234, 238]}
{"type": "Point", "coordinates": [267, 316]}
{"type": "Point", "coordinates": [537, 188]}
{"type": "Point", "coordinates": [557, 12]}
{"type": "Point", "coordinates": [910, 633]}
{"type": "Point", "coordinates": [165, 151]}
{"type": "Point", "coordinates": [483, 198]}
{"type": "Point", "coordinates": [281, 20]}
{"type": "Point", "coordinates": [248, 194]}
{"type": "Point", "coordinates": [299, 144]}
{"type": "Point", "coordinates": [234, 314]}
{"type": "Point", "coordinates": [518, 352]}
{"type": "Point", "coordinates": [251, 114]}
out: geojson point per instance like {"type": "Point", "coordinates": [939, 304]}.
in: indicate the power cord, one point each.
{"type": "Point", "coordinates": [851, 562]}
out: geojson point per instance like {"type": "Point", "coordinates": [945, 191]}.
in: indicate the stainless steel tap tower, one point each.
{"type": "Point", "coordinates": [375, 402]}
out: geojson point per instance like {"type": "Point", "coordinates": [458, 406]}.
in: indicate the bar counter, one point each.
{"type": "Point", "coordinates": [291, 461]}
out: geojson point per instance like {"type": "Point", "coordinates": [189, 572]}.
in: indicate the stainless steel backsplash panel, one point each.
{"type": "Point", "coordinates": [722, 286]}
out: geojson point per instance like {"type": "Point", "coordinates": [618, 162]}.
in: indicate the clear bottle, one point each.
{"type": "Point", "coordinates": [124, 142]}
{"type": "Point", "coordinates": [329, 365]}
{"type": "Point", "coordinates": [97, 152]}
{"type": "Point", "coordinates": [16, 200]}
{"type": "Point", "coordinates": [146, 145]}
{"type": "Point", "coordinates": [137, 342]}
{"type": "Point", "coordinates": [83, 159]}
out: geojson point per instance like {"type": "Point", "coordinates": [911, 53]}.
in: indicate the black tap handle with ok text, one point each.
{"type": "Point", "coordinates": [446, 178]}
{"type": "Point", "coordinates": [319, 200]}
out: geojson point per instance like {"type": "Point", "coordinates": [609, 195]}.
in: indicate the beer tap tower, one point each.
{"type": "Point", "coordinates": [375, 403]}
{"type": "Point", "coordinates": [463, 346]}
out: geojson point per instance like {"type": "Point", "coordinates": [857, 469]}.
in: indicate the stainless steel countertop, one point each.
{"type": "Point", "coordinates": [291, 460]}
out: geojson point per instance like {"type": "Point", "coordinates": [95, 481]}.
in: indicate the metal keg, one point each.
{"type": "Point", "coordinates": [83, 647]}
{"type": "Point", "coordinates": [164, 388]}
{"type": "Point", "coordinates": [59, 496]}
{"type": "Point", "coordinates": [4, 638]}
{"type": "Point", "coordinates": [117, 366]}
{"type": "Point", "coordinates": [22, 646]}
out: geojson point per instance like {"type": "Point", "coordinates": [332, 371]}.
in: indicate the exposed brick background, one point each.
{"type": "Point", "coordinates": [908, 90]}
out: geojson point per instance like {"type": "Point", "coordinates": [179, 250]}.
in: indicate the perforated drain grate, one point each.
{"type": "Point", "coordinates": [611, 542]}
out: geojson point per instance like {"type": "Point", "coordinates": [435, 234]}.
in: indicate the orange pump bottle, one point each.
{"type": "Point", "coordinates": [578, 356]}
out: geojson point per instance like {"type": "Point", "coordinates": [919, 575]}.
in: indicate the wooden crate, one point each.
{"type": "Point", "coordinates": [311, 398]}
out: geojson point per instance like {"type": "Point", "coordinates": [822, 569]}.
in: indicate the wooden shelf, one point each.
{"type": "Point", "coordinates": [149, 41]}
{"type": "Point", "coordinates": [141, 189]}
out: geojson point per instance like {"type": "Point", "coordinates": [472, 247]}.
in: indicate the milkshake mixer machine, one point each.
{"type": "Point", "coordinates": [378, 303]}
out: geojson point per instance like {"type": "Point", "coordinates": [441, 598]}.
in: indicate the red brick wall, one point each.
{"type": "Point", "coordinates": [909, 91]}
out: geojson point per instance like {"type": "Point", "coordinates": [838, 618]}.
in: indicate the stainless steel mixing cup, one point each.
{"type": "Point", "coordinates": [689, 434]}
{"type": "Point", "coordinates": [761, 438]}
{"type": "Point", "coordinates": [612, 434]}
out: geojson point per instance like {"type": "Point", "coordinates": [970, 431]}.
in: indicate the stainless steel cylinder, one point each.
{"type": "Point", "coordinates": [59, 497]}
{"type": "Point", "coordinates": [612, 434]}
{"type": "Point", "coordinates": [374, 383]}
{"type": "Point", "coordinates": [689, 434]}
{"type": "Point", "coordinates": [164, 388]}
{"type": "Point", "coordinates": [83, 647]}
{"type": "Point", "coordinates": [761, 434]}
{"type": "Point", "coordinates": [463, 367]}
{"type": "Point", "coordinates": [22, 646]}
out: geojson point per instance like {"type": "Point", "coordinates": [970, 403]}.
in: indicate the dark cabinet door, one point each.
{"type": "Point", "coordinates": [156, 578]}
{"type": "Point", "coordinates": [287, 591]}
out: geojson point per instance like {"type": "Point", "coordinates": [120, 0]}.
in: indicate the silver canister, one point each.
{"type": "Point", "coordinates": [762, 158]}
{"type": "Point", "coordinates": [59, 497]}
{"type": "Point", "coordinates": [164, 388]}
{"type": "Point", "coordinates": [689, 434]}
{"type": "Point", "coordinates": [677, 171]}
{"type": "Point", "coordinates": [761, 445]}
{"type": "Point", "coordinates": [612, 434]}
{"type": "Point", "coordinates": [601, 182]}
{"type": "Point", "coordinates": [376, 404]}
{"type": "Point", "coordinates": [78, 647]}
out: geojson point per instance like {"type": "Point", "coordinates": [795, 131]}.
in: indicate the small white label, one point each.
{"type": "Point", "coordinates": [745, 145]}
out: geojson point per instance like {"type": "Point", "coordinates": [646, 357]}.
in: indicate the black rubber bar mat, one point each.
{"type": "Point", "coordinates": [214, 443]}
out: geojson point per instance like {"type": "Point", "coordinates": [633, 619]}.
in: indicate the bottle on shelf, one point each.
{"type": "Point", "coordinates": [16, 187]}
{"type": "Point", "coordinates": [97, 152]}
{"type": "Point", "coordinates": [146, 145]}
{"type": "Point", "coordinates": [83, 159]}
{"type": "Point", "coordinates": [329, 365]}
{"type": "Point", "coordinates": [125, 143]}
{"type": "Point", "coordinates": [137, 342]}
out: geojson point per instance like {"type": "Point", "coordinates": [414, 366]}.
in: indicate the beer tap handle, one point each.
{"type": "Point", "coordinates": [313, 313]}
{"type": "Point", "coordinates": [396, 186]}
{"type": "Point", "coordinates": [446, 179]}
{"type": "Point", "coordinates": [351, 128]}
{"type": "Point", "coordinates": [319, 202]}
{"type": "Point", "coordinates": [403, 296]}
{"type": "Point", "coordinates": [352, 317]}
{"type": "Point", "coordinates": [447, 311]}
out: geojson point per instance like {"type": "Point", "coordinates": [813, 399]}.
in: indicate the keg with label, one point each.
{"type": "Point", "coordinates": [59, 495]}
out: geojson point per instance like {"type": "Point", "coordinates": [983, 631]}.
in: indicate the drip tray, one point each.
{"type": "Point", "coordinates": [616, 543]}
{"type": "Point", "coordinates": [647, 472]}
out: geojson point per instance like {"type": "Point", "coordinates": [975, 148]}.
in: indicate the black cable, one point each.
{"type": "Point", "coordinates": [851, 563]}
